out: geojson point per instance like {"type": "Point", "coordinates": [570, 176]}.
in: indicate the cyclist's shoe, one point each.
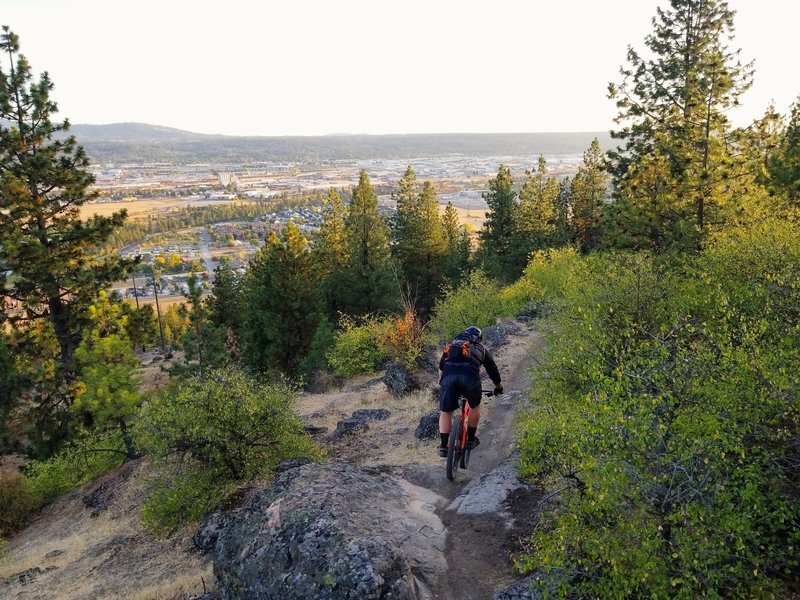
{"type": "Point", "coordinates": [442, 451]}
{"type": "Point", "coordinates": [472, 444]}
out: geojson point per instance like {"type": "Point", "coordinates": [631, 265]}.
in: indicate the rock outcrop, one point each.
{"type": "Point", "coordinates": [399, 380]}
{"type": "Point", "coordinates": [332, 531]}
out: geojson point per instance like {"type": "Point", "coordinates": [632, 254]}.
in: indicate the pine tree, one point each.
{"type": "Point", "coordinates": [404, 227]}
{"type": "Point", "coordinates": [330, 253]}
{"type": "Point", "coordinates": [784, 164]}
{"type": "Point", "coordinates": [565, 233]}
{"type": "Point", "coordinates": [107, 393]}
{"type": "Point", "coordinates": [589, 190]}
{"type": "Point", "coordinates": [536, 217]}
{"type": "Point", "coordinates": [225, 303]}
{"type": "Point", "coordinates": [419, 244]}
{"type": "Point", "coordinates": [368, 278]}
{"type": "Point", "coordinates": [672, 108]}
{"type": "Point", "coordinates": [284, 306]}
{"type": "Point", "coordinates": [426, 271]}
{"type": "Point", "coordinates": [457, 247]}
{"type": "Point", "coordinates": [43, 240]}
{"type": "Point", "coordinates": [496, 253]}
{"type": "Point", "coordinates": [203, 343]}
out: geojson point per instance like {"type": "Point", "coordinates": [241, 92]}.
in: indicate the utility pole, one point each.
{"type": "Point", "coordinates": [158, 312]}
{"type": "Point", "coordinates": [135, 291]}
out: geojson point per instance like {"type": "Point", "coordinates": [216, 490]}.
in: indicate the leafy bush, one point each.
{"type": "Point", "coordinates": [476, 302]}
{"type": "Point", "coordinates": [359, 347]}
{"type": "Point", "coordinates": [404, 338]}
{"type": "Point", "coordinates": [183, 498]}
{"type": "Point", "coordinates": [226, 427]}
{"type": "Point", "coordinates": [548, 277]}
{"type": "Point", "coordinates": [322, 341]}
{"type": "Point", "coordinates": [16, 501]}
{"type": "Point", "coordinates": [84, 459]}
{"type": "Point", "coordinates": [231, 422]}
{"type": "Point", "coordinates": [668, 418]}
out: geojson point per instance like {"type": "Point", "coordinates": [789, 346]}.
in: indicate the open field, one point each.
{"type": "Point", "coordinates": [136, 208]}
{"type": "Point", "coordinates": [139, 209]}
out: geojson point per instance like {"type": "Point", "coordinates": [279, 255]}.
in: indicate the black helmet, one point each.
{"type": "Point", "coordinates": [475, 333]}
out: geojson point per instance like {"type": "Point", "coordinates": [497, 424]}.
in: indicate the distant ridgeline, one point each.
{"type": "Point", "coordinates": [138, 142]}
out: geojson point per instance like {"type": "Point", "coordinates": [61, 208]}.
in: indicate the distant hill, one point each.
{"type": "Point", "coordinates": [140, 142]}
{"type": "Point", "coordinates": [132, 132]}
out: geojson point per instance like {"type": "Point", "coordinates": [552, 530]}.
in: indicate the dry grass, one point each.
{"type": "Point", "coordinates": [137, 209]}
{"type": "Point", "coordinates": [108, 555]}
{"type": "Point", "coordinates": [389, 442]}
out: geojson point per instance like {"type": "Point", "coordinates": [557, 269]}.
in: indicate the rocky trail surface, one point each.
{"type": "Point", "coordinates": [377, 520]}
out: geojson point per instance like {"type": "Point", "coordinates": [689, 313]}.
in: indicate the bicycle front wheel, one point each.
{"type": "Point", "coordinates": [454, 452]}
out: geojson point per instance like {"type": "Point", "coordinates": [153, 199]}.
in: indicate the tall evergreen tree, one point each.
{"type": "Point", "coordinates": [674, 127]}
{"type": "Point", "coordinates": [458, 247]}
{"type": "Point", "coordinates": [406, 200]}
{"type": "Point", "coordinates": [589, 191]}
{"type": "Point", "coordinates": [330, 253]}
{"type": "Point", "coordinates": [425, 272]}
{"type": "Point", "coordinates": [107, 392]}
{"type": "Point", "coordinates": [368, 277]}
{"type": "Point", "coordinates": [225, 305]}
{"type": "Point", "coordinates": [784, 164]}
{"type": "Point", "coordinates": [496, 253]}
{"type": "Point", "coordinates": [419, 244]}
{"type": "Point", "coordinates": [203, 343]}
{"type": "Point", "coordinates": [536, 217]}
{"type": "Point", "coordinates": [284, 306]}
{"type": "Point", "coordinates": [43, 240]}
{"type": "Point", "coordinates": [564, 217]}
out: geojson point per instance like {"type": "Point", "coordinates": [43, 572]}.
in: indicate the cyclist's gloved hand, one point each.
{"type": "Point", "coordinates": [498, 389]}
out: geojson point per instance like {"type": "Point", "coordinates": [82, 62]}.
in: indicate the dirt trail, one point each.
{"type": "Point", "coordinates": [478, 546]}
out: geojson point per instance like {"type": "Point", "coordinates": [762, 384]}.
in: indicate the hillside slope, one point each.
{"type": "Point", "coordinates": [90, 544]}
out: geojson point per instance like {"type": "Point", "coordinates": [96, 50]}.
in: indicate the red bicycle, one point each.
{"type": "Point", "coordinates": [457, 451]}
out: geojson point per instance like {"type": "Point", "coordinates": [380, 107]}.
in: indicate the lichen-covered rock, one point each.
{"type": "Point", "coordinates": [497, 335]}
{"type": "Point", "coordinates": [371, 414]}
{"type": "Point", "coordinates": [399, 380]}
{"type": "Point", "coordinates": [332, 531]}
{"type": "Point", "coordinates": [428, 426]}
{"type": "Point", "coordinates": [522, 590]}
{"type": "Point", "coordinates": [350, 426]}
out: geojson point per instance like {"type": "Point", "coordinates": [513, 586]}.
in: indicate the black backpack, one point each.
{"type": "Point", "coordinates": [458, 351]}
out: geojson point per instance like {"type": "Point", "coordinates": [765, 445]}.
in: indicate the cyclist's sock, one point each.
{"type": "Point", "coordinates": [444, 437]}
{"type": "Point", "coordinates": [471, 432]}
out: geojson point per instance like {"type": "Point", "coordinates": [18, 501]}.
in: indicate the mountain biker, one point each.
{"type": "Point", "coordinates": [461, 377]}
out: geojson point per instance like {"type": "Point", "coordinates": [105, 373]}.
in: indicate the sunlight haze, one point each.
{"type": "Point", "coordinates": [311, 67]}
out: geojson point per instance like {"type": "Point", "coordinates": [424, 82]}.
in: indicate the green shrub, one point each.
{"type": "Point", "coordinates": [476, 302]}
{"type": "Point", "coordinates": [81, 461]}
{"type": "Point", "coordinates": [321, 343]}
{"type": "Point", "coordinates": [667, 414]}
{"type": "Point", "coordinates": [359, 347]}
{"type": "Point", "coordinates": [226, 427]}
{"type": "Point", "coordinates": [231, 422]}
{"type": "Point", "coordinates": [184, 498]}
{"type": "Point", "coordinates": [548, 277]}
{"type": "Point", "coordinates": [16, 501]}
{"type": "Point", "coordinates": [404, 340]}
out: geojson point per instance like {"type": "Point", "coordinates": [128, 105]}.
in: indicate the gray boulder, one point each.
{"type": "Point", "coordinates": [522, 590]}
{"type": "Point", "coordinates": [428, 426]}
{"type": "Point", "coordinates": [399, 380]}
{"type": "Point", "coordinates": [332, 531]}
{"type": "Point", "coordinates": [497, 335]}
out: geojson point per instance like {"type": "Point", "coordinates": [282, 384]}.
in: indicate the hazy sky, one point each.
{"type": "Point", "coordinates": [310, 67]}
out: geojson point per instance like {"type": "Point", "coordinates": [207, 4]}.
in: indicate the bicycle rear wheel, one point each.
{"type": "Point", "coordinates": [454, 452]}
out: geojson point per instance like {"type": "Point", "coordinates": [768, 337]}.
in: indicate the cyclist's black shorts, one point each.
{"type": "Point", "coordinates": [453, 386]}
